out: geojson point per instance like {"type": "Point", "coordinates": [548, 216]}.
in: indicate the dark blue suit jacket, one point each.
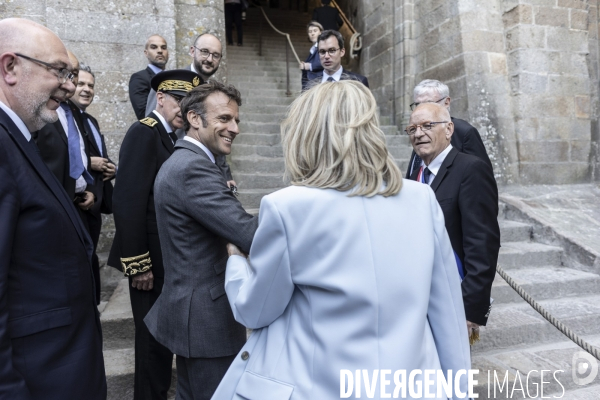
{"type": "Point", "coordinates": [346, 76]}
{"type": "Point", "coordinates": [50, 335]}
{"type": "Point", "coordinates": [317, 68]}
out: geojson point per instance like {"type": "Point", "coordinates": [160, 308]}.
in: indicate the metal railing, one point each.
{"type": "Point", "coordinates": [287, 41]}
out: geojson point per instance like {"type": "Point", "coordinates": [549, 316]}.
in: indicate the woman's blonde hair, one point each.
{"type": "Point", "coordinates": [331, 139]}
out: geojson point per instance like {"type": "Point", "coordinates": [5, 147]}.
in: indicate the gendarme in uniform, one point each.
{"type": "Point", "coordinates": [136, 247]}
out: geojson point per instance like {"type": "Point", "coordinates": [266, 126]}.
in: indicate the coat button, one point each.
{"type": "Point", "coordinates": [245, 355]}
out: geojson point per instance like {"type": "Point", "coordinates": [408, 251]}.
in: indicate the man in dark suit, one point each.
{"type": "Point", "coordinates": [327, 16]}
{"type": "Point", "coordinates": [465, 138]}
{"type": "Point", "coordinates": [331, 50]}
{"type": "Point", "coordinates": [136, 248]}
{"type": "Point", "coordinates": [157, 53]}
{"type": "Point", "coordinates": [101, 168]}
{"type": "Point", "coordinates": [465, 187]}
{"type": "Point", "coordinates": [50, 334]}
{"type": "Point", "coordinates": [197, 216]}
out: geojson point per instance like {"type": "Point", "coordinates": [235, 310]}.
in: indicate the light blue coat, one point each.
{"type": "Point", "coordinates": [338, 282]}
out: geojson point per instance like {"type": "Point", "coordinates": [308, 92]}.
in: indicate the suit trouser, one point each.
{"type": "Point", "coordinates": [153, 361]}
{"type": "Point", "coordinates": [198, 378]}
{"type": "Point", "coordinates": [233, 15]}
{"type": "Point", "coordinates": [94, 227]}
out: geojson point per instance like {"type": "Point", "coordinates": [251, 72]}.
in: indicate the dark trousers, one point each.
{"type": "Point", "coordinates": [198, 378]}
{"type": "Point", "coordinates": [233, 15]}
{"type": "Point", "coordinates": [153, 361]}
{"type": "Point", "coordinates": [94, 223]}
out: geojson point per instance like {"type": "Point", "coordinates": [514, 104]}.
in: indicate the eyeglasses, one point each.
{"type": "Point", "coordinates": [63, 73]}
{"type": "Point", "coordinates": [415, 105]}
{"type": "Point", "coordinates": [205, 53]}
{"type": "Point", "coordinates": [412, 129]}
{"type": "Point", "coordinates": [176, 98]}
{"type": "Point", "coordinates": [331, 52]}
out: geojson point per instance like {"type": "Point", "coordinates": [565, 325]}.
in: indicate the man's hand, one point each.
{"type": "Point", "coordinates": [231, 183]}
{"type": "Point", "coordinates": [473, 332]}
{"type": "Point", "coordinates": [143, 281]}
{"type": "Point", "coordinates": [99, 163]}
{"type": "Point", "coordinates": [233, 250]}
{"type": "Point", "coordinates": [88, 202]}
{"type": "Point", "coordinates": [110, 170]}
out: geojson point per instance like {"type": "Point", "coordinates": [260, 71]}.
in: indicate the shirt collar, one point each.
{"type": "Point", "coordinates": [203, 147]}
{"type": "Point", "coordinates": [192, 68]}
{"type": "Point", "coordinates": [336, 76]}
{"type": "Point", "coordinates": [18, 121]}
{"type": "Point", "coordinates": [435, 165]}
{"type": "Point", "coordinates": [154, 68]}
{"type": "Point", "coordinates": [164, 122]}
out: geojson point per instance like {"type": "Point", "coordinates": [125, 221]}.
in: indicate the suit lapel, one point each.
{"type": "Point", "coordinates": [164, 137]}
{"type": "Point", "coordinates": [446, 165]}
{"type": "Point", "coordinates": [42, 170]}
{"type": "Point", "coordinates": [90, 133]}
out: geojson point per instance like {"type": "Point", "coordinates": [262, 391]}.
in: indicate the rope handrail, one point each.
{"type": "Point", "coordinates": [355, 39]}
{"type": "Point", "coordinates": [346, 20]}
{"type": "Point", "coordinates": [594, 351]}
{"type": "Point", "coordinates": [281, 33]}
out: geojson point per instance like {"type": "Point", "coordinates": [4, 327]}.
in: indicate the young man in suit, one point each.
{"type": "Point", "coordinates": [157, 53]}
{"type": "Point", "coordinates": [465, 138]}
{"type": "Point", "coordinates": [327, 16]}
{"type": "Point", "coordinates": [101, 167]}
{"type": "Point", "coordinates": [50, 334]}
{"type": "Point", "coordinates": [331, 50]}
{"type": "Point", "coordinates": [197, 216]}
{"type": "Point", "coordinates": [136, 249]}
{"type": "Point", "coordinates": [466, 190]}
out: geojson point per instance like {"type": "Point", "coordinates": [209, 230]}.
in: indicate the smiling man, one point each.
{"type": "Point", "coordinates": [466, 190]}
{"type": "Point", "coordinates": [197, 216]}
{"type": "Point", "coordinates": [136, 249]}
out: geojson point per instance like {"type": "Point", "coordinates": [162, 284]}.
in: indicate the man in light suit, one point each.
{"type": "Point", "coordinates": [197, 216]}
{"type": "Point", "coordinates": [331, 50]}
{"type": "Point", "coordinates": [157, 53]}
{"type": "Point", "coordinates": [466, 190]}
{"type": "Point", "coordinates": [465, 138]}
{"type": "Point", "coordinates": [50, 334]}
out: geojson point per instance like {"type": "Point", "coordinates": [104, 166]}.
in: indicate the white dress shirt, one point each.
{"type": "Point", "coordinates": [336, 75]}
{"type": "Point", "coordinates": [203, 147]}
{"type": "Point", "coordinates": [18, 121]}
{"type": "Point", "coordinates": [435, 165]}
{"type": "Point", "coordinates": [154, 68]}
{"type": "Point", "coordinates": [80, 183]}
{"type": "Point", "coordinates": [164, 123]}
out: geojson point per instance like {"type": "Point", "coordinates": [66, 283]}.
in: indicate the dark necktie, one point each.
{"type": "Point", "coordinates": [173, 137]}
{"type": "Point", "coordinates": [416, 163]}
{"type": "Point", "coordinates": [88, 124]}
{"type": "Point", "coordinates": [76, 168]}
{"type": "Point", "coordinates": [426, 175]}
{"type": "Point", "coordinates": [330, 79]}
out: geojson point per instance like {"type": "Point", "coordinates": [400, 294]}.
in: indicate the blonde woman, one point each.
{"type": "Point", "coordinates": [350, 269]}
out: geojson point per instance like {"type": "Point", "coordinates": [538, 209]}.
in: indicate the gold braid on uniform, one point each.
{"type": "Point", "coordinates": [175, 85]}
{"type": "Point", "coordinates": [136, 265]}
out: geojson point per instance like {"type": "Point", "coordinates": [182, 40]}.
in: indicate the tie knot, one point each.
{"type": "Point", "coordinates": [426, 174]}
{"type": "Point", "coordinates": [330, 79]}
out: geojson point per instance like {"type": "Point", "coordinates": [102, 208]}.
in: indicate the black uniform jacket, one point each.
{"type": "Point", "coordinates": [466, 190]}
{"type": "Point", "coordinates": [136, 248]}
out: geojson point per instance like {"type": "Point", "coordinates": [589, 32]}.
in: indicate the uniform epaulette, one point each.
{"type": "Point", "coordinates": [149, 121]}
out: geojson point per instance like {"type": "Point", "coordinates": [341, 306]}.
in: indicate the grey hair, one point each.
{"type": "Point", "coordinates": [86, 68]}
{"type": "Point", "coordinates": [431, 84]}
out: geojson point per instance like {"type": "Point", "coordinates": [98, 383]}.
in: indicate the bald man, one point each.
{"type": "Point", "coordinates": [50, 337]}
{"type": "Point", "coordinates": [157, 53]}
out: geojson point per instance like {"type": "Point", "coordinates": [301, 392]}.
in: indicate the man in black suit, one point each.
{"type": "Point", "coordinates": [157, 53]}
{"type": "Point", "coordinates": [327, 16]}
{"type": "Point", "coordinates": [101, 167]}
{"type": "Point", "coordinates": [466, 190]}
{"type": "Point", "coordinates": [465, 138]}
{"type": "Point", "coordinates": [331, 50]}
{"type": "Point", "coordinates": [197, 216]}
{"type": "Point", "coordinates": [136, 248]}
{"type": "Point", "coordinates": [65, 149]}
{"type": "Point", "coordinates": [50, 334]}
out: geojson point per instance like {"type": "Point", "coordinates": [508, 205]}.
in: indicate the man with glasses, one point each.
{"type": "Point", "coordinates": [465, 139]}
{"type": "Point", "coordinates": [466, 190]}
{"type": "Point", "coordinates": [50, 334]}
{"type": "Point", "coordinates": [136, 248]}
{"type": "Point", "coordinates": [157, 53]}
{"type": "Point", "coordinates": [331, 50]}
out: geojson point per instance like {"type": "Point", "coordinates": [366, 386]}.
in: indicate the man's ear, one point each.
{"type": "Point", "coordinates": [342, 52]}
{"type": "Point", "coordinates": [160, 98]}
{"type": "Point", "coordinates": [449, 129]}
{"type": "Point", "coordinates": [194, 119]}
{"type": "Point", "coordinates": [9, 68]}
{"type": "Point", "coordinates": [447, 102]}
{"type": "Point", "coordinates": [192, 51]}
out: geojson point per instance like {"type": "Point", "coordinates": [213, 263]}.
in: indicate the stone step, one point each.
{"type": "Point", "coordinates": [259, 127]}
{"type": "Point", "coordinates": [251, 198]}
{"type": "Point", "coordinates": [520, 255]}
{"type": "Point", "coordinates": [518, 324]}
{"type": "Point", "coordinates": [259, 181]}
{"type": "Point", "coordinates": [513, 231]}
{"type": "Point", "coordinates": [258, 77]}
{"type": "Point", "coordinates": [118, 329]}
{"type": "Point", "coordinates": [249, 138]}
{"type": "Point", "coordinates": [551, 357]}
{"type": "Point", "coordinates": [263, 151]}
{"type": "Point", "coordinates": [397, 140]}
{"type": "Point", "coordinates": [254, 107]}
{"type": "Point", "coordinates": [546, 282]}
{"type": "Point", "coordinates": [269, 101]}
{"type": "Point", "coordinates": [262, 117]}
{"type": "Point", "coordinates": [255, 164]}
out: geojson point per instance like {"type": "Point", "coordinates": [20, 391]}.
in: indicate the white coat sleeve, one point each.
{"type": "Point", "coordinates": [446, 311]}
{"type": "Point", "coordinates": [260, 290]}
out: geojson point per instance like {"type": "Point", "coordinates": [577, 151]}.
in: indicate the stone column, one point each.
{"type": "Point", "coordinates": [193, 18]}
